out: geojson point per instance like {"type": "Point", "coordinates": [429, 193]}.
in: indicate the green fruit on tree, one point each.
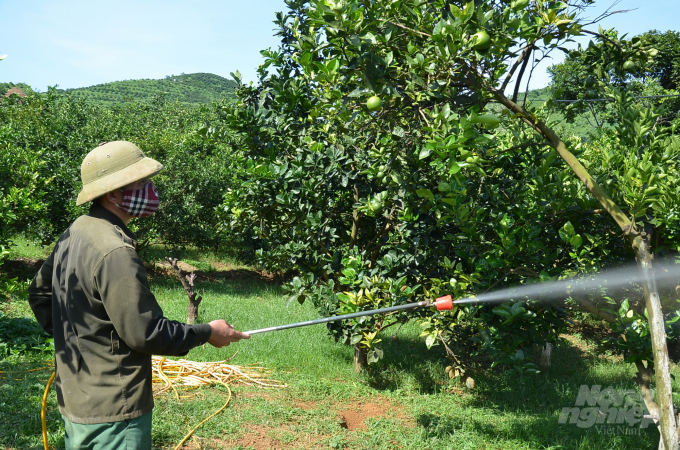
{"type": "Point", "coordinates": [374, 205]}
{"type": "Point", "coordinates": [486, 119]}
{"type": "Point", "coordinates": [385, 180]}
{"type": "Point", "coordinates": [590, 94]}
{"type": "Point", "coordinates": [590, 82]}
{"type": "Point", "coordinates": [481, 41]}
{"type": "Point", "coordinates": [629, 66]}
{"type": "Point", "coordinates": [380, 174]}
{"type": "Point", "coordinates": [374, 103]}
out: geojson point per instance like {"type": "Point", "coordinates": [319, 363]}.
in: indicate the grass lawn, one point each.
{"type": "Point", "coordinates": [405, 401]}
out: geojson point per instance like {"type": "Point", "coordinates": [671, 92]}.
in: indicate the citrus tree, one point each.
{"type": "Point", "coordinates": [574, 78]}
{"type": "Point", "coordinates": [59, 130]}
{"type": "Point", "coordinates": [381, 162]}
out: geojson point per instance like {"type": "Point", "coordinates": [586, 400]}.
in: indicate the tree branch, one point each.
{"type": "Point", "coordinates": [587, 305]}
{"type": "Point", "coordinates": [643, 379]}
{"type": "Point", "coordinates": [515, 66]}
{"type": "Point", "coordinates": [606, 38]}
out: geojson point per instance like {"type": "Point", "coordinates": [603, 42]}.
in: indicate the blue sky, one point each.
{"type": "Point", "coordinates": [76, 43]}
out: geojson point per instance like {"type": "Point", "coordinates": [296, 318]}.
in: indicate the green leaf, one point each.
{"type": "Point", "coordinates": [468, 11]}
{"type": "Point", "coordinates": [425, 193]}
{"type": "Point", "coordinates": [349, 272]}
{"type": "Point", "coordinates": [430, 340]}
{"type": "Point", "coordinates": [455, 11]}
{"type": "Point", "coordinates": [344, 297]}
{"type": "Point", "coordinates": [501, 311]}
{"type": "Point", "coordinates": [424, 153]}
{"type": "Point", "coordinates": [374, 355]}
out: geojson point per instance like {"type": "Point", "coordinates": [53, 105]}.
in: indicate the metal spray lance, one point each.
{"type": "Point", "coordinates": [442, 304]}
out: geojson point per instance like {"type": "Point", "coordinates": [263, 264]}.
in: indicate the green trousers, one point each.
{"type": "Point", "coordinates": [132, 434]}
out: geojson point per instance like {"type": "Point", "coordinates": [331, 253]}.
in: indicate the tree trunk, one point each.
{"type": "Point", "coordinates": [640, 244]}
{"type": "Point", "coordinates": [192, 310]}
{"type": "Point", "coordinates": [664, 393]}
{"type": "Point", "coordinates": [188, 284]}
{"type": "Point", "coordinates": [360, 358]}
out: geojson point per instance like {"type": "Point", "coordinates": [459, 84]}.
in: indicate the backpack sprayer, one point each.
{"type": "Point", "coordinates": [442, 304]}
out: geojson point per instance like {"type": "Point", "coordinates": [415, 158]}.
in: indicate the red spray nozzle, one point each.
{"type": "Point", "coordinates": [444, 303]}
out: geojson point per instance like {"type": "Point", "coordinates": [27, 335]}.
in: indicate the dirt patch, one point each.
{"type": "Point", "coordinates": [260, 437]}
{"type": "Point", "coordinates": [352, 419]}
{"type": "Point", "coordinates": [255, 394]}
{"type": "Point", "coordinates": [166, 267]}
{"type": "Point", "coordinates": [224, 272]}
{"type": "Point", "coordinates": [235, 274]}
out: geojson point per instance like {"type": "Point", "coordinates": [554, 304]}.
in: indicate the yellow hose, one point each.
{"type": "Point", "coordinates": [43, 411]}
{"type": "Point", "coordinates": [205, 420]}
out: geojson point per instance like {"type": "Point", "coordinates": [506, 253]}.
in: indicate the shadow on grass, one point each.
{"type": "Point", "coordinates": [537, 432]}
{"type": "Point", "coordinates": [527, 408]}
{"type": "Point", "coordinates": [408, 363]}
{"type": "Point", "coordinates": [21, 268]}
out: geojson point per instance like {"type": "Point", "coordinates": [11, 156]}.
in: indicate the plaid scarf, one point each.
{"type": "Point", "coordinates": [141, 202]}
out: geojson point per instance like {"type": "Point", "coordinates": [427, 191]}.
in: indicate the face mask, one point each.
{"type": "Point", "coordinates": [140, 202]}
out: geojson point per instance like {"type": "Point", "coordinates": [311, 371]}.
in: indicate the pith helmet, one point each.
{"type": "Point", "coordinates": [112, 166]}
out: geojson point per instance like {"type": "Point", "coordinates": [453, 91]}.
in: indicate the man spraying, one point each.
{"type": "Point", "coordinates": [92, 295]}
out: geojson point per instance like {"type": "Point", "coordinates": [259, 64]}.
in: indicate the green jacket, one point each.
{"type": "Point", "coordinates": [93, 296]}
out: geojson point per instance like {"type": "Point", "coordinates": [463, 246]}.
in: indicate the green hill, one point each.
{"type": "Point", "coordinates": [189, 88]}
{"type": "Point", "coordinates": [4, 87]}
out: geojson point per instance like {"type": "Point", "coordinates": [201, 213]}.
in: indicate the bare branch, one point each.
{"type": "Point", "coordinates": [519, 76]}
{"type": "Point", "coordinates": [608, 13]}
{"type": "Point", "coordinates": [519, 61]}
{"type": "Point", "coordinates": [423, 115]}
{"type": "Point", "coordinates": [587, 305]}
{"type": "Point", "coordinates": [606, 38]}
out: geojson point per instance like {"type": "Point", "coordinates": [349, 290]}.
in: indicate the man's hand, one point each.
{"type": "Point", "coordinates": [224, 334]}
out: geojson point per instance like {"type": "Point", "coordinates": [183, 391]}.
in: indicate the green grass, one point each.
{"type": "Point", "coordinates": [406, 401]}
{"type": "Point", "coordinates": [25, 248]}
